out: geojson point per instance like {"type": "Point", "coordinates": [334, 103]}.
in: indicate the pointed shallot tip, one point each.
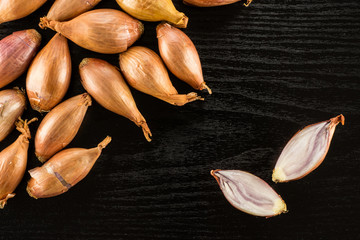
{"type": "Point", "coordinates": [4, 201]}
{"type": "Point", "coordinates": [23, 127]}
{"type": "Point", "coordinates": [104, 142]}
{"type": "Point", "coordinates": [204, 86]}
{"type": "Point", "coordinates": [84, 62]}
{"type": "Point", "coordinates": [213, 173]}
{"type": "Point", "coordinates": [44, 23]}
{"type": "Point", "coordinates": [338, 119]}
{"type": "Point", "coordinates": [146, 131]}
{"type": "Point", "coordinates": [248, 3]}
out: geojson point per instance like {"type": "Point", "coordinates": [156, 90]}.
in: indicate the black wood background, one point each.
{"type": "Point", "coordinates": [274, 67]}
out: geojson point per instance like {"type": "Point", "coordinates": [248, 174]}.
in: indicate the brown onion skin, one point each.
{"type": "Point", "coordinates": [60, 126]}
{"type": "Point", "coordinates": [48, 78]}
{"type": "Point", "coordinates": [105, 31]}
{"type": "Point", "coordinates": [105, 83]}
{"type": "Point", "coordinates": [212, 3]}
{"type": "Point", "coordinates": [63, 10]}
{"type": "Point", "coordinates": [17, 50]}
{"type": "Point", "coordinates": [63, 171]}
{"type": "Point", "coordinates": [13, 160]}
{"type": "Point", "coordinates": [11, 10]}
{"type": "Point", "coordinates": [12, 106]}
{"type": "Point", "coordinates": [144, 70]}
{"type": "Point", "coordinates": [180, 56]}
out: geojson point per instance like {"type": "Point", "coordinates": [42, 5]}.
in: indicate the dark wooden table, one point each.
{"type": "Point", "coordinates": [274, 68]}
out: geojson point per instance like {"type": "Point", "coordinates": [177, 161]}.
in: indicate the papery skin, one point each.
{"type": "Point", "coordinates": [105, 31]}
{"type": "Point", "coordinates": [180, 56]}
{"type": "Point", "coordinates": [12, 106]}
{"type": "Point", "coordinates": [249, 193]}
{"type": "Point", "coordinates": [63, 171]}
{"type": "Point", "coordinates": [306, 150]}
{"type": "Point", "coordinates": [63, 10]}
{"type": "Point", "coordinates": [16, 52]}
{"type": "Point", "coordinates": [60, 126]}
{"type": "Point", "coordinates": [144, 71]}
{"type": "Point", "coordinates": [154, 11]}
{"type": "Point", "coordinates": [49, 75]}
{"type": "Point", "coordinates": [13, 160]}
{"type": "Point", "coordinates": [213, 3]}
{"type": "Point", "coordinates": [105, 83]}
{"type": "Point", "coordinates": [11, 10]}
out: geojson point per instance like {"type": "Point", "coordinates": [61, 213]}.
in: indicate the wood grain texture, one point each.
{"type": "Point", "coordinates": [274, 68]}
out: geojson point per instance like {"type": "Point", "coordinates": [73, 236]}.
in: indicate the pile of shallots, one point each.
{"type": "Point", "coordinates": [111, 31]}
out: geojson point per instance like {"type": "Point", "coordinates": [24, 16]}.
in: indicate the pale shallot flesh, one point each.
{"type": "Point", "coordinates": [249, 193]}
{"type": "Point", "coordinates": [306, 150]}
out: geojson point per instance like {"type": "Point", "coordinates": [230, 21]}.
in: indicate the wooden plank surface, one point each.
{"type": "Point", "coordinates": [274, 68]}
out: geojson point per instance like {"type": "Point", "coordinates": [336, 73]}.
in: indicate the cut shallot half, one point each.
{"type": "Point", "coordinates": [306, 150]}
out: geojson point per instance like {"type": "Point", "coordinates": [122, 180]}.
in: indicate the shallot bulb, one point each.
{"type": "Point", "coordinates": [180, 56]}
{"type": "Point", "coordinates": [13, 160]}
{"type": "Point", "coordinates": [63, 171]}
{"type": "Point", "coordinates": [48, 78]}
{"type": "Point", "coordinates": [306, 150]}
{"type": "Point", "coordinates": [144, 71]}
{"type": "Point", "coordinates": [11, 10]}
{"type": "Point", "coordinates": [12, 106]}
{"type": "Point", "coordinates": [60, 126]}
{"type": "Point", "coordinates": [106, 31]}
{"type": "Point", "coordinates": [154, 11]}
{"type": "Point", "coordinates": [105, 83]}
{"type": "Point", "coordinates": [249, 193]}
{"type": "Point", "coordinates": [213, 3]}
{"type": "Point", "coordinates": [16, 52]}
{"type": "Point", "coordinates": [63, 10]}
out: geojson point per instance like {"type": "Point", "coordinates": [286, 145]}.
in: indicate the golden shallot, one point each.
{"type": "Point", "coordinates": [306, 150]}
{"type": "Point", "coordinates": [49, 75]}
{"type": "Point", "coordinates": [63, 171]}
{"type": "Point", "coordinates": [12, 106]}
{"type": "Point", "coordinates": [11, 10]}
{"type": "Point", "coordinates": [144, 71]}
{"type": "Point", "coordinates": [16, 52]}
{"type": "Point", "coordinates": [13, 160]}
{"type": "Point", "coordinates": [180, 56]}
{"type": "Point", "coordinates": [63, 10]}
{"type": "Point", "coordinates": [249, 193]}
{"type": "Point", "coordinates": [213, 3]}
{"type": "Point", "coordinates": [106, 31]}
{"type": "Point", "coordinates": [60, 126]}
{"type": "Point", "coordinates": [154, 11]}
{"type": "Point", "coordinates": [105, 83]}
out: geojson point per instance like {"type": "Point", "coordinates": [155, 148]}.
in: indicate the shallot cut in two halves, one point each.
{"type": "Point", "coordinates": [105, 83]}
{"type": "Point", "coordinates": [13, 160]}
{"type": "Point", "coordinates": [12, 106]}
{"type": "Point", "coordinates": [11, 10]}
{"type": "Point", "coordinates": [63, 171]}
{"type": "Point", "coordinates": [60, 126]}
{"type": "Point", "coordinates": [180, 56]}
{"type": "Point", "coordinates": [144, 71]}
{"type": "Point", "coordinates": [213, 3]}
{"type": "Point", "coordinates": [63, 10]}
{"type": "Point", "coordinates": [154, 11]}
{"type": "Point", "coordinates": [48, 78]}
{"type": "Point", "coordinates": [16, 52]}
{"type": "Point", "coordinates": [306, 150]}
{"type": "Point", "coordinates": [249, 193]}
{"type": "Point", "coordinates": [106, 31]}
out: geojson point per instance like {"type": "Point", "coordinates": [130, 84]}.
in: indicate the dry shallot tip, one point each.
{"type": "Point", "coordinates": [204, 86]}
{"type": "Point", "coordinates": [104, 142]}
{"type": "Point", "coordinates": [248, 3]}
{"type": "Point", "coordinates": [146, 131]}
{"type": "Point", "coordinates": [306, 150]}
{"type": "Point", "coordinates": [23, 126]}
{"type": "Point", "coordinates": [4, 201]}
{"type": "Point", "coordinates": [249, 193]}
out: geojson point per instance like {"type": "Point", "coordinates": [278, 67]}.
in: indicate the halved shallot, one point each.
{"type": "Point", "coordinates": [48, 78]}
{"type": "Point", "coordinates": [306, 150]}
{"type": "Point", "coordinates": [12, 106]}
{"type": "Point", "coordinates": [105, 83]}
{"type": "Point", "coordinates": [106, 31]}
{"type": "Point", "coordinates": [63, 171]}
{"type": "Point", "coordinates": [60, 126]}
{"type": "Point", "coordinates": [144, 71]}
{"type": "Point", "coordinates": [13, 160]}
{"type": "Point", "coordinates": [180, 56]}
{"type": "Point", "coordinates": [249, 193]}
{"type": "Point", "coordinates": [16, 52]}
